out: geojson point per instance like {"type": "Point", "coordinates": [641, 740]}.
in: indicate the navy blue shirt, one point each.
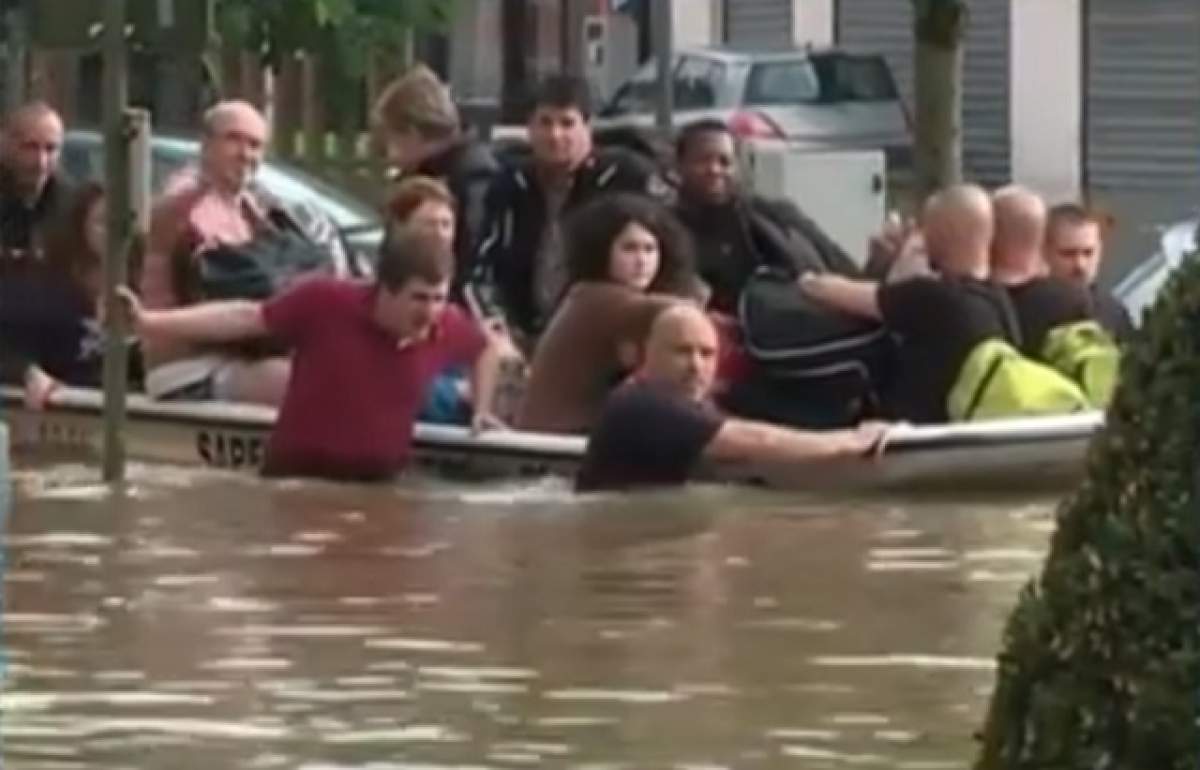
{"type": "Point", "coordinates": [47, 320]}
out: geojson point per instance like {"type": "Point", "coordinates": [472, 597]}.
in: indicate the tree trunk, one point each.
{"type": "Point", "coordinates": [939, 26]}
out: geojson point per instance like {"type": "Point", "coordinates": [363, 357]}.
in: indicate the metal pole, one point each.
{"type": "Point", "coordinates": [138, 132]}
{"type": "Point", "coordinates": [116, 155]}
{"type": "Point", "coordinates": [664, 57]}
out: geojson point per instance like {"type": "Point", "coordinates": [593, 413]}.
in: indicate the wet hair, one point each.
{"type": "Point", "coordinates": [592, 230]}
{"type": "Point", "coordinates": [696, 129]}
{"type": "Point", "coordinates": [413, 255]}
{"type": "Point", "coordinates": [68, 253]}
{"type": "Point", "coordinates": [564, 92]}
{"type": "Point", "coordinates": [413, 191]}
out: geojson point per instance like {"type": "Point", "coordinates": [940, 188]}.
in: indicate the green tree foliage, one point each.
{"type": "Point", "coordinates": [349, 31]}
{"type": "Point", "coordinates": [1101, 659]}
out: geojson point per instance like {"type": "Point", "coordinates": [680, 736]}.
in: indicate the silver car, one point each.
{"type": "Point", "coordinates": [358, 223]}
{"type": "Point", "coordinates": [1139, 289]}
{"type": "Point", "coordinates": [818, 98]}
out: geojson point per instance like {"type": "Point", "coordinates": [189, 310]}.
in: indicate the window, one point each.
{"type": "Point", "coordinates": [696, 83]}
{"type": "Point", "coordinates": [635, 96]}
{"type": "Point", "coordinates": [784, 82]}
{"type": "Point", "coordinates": [854, 78]}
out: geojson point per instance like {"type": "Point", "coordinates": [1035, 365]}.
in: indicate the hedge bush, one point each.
{"type": "Point", "coordinates": [1100, 667]}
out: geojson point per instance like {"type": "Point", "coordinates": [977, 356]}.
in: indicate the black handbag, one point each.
{"type": "Point", "coordinates": [260, 268]}
{"type": "Point", "coordinates": [792, 335]}
{"type": "Point", "coordinates": [263, 267]}
{"type": "Point", "coordinates": [811, 366]}
{"type": "Point", "coordinates": [275, 258]}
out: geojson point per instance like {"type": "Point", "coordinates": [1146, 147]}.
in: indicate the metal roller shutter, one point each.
{"type": "Point", "coordinates": [1143, 94]}
{"type": "Point", "coordinates": [758, 24]}
{"type": "Point", "coordinates": [885, 26]}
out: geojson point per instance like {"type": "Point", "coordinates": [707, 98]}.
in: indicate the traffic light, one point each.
{"type": "Point", "coordinates": [171, 25]}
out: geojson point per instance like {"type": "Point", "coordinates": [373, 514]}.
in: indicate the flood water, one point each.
{"type": "Point", "coordinates": [209, 621]}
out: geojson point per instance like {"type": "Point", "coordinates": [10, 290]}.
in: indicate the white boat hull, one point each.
{"type": "Point", "coordinates": [1015, 454]}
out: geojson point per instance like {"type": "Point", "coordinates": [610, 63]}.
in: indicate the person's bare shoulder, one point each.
{"type": "Point", "coordinates": [178, 198]}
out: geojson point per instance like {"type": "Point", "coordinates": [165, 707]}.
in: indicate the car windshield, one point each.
{"type": "Point", "coordinates": [846, 78]}
{"type": "Point", "coordinates": [83, 159]}
{"type": "Point", "coordinates": [695, 81]}
{"type": "Point", "coordinates": [782, 82]}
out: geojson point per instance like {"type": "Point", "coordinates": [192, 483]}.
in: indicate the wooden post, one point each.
{"type": "Point", "coordinates": [116, 154]}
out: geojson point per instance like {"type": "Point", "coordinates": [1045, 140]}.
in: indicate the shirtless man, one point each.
{"type": "Point", "coordinates": [658, 427]}
{"type": "Point", "coordinates": [215, 206]}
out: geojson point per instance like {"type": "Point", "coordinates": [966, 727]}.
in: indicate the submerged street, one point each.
{"type": "Point", "coordinates": [206, 621]}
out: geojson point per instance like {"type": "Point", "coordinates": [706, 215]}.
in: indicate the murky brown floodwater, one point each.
{"type": "Point", "coordinates": [207, 621]}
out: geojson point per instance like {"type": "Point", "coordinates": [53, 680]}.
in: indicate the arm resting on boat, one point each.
{"type": "Point", "coordinates": [859, 298]}
{"type": "Point", "coordinates": [484, 379]}
{"type": "Point", "coordinates": [485, 374]}
{"type": "Point", "coordinates": [748, 441]}
{"type": "Point", "coordinates": [208, 322]}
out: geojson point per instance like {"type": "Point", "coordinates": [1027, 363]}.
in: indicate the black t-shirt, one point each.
{"type": "Point", "coordinates": [1112, 315]}
{"type": "Point", "coordinates": [1043, 304]}
{"type": "Point", "coordinates": [24, 227]}
{"type": "Point", "coordinates": [646, 436]}
{"type": "Point", "coordinates": [939, 321]}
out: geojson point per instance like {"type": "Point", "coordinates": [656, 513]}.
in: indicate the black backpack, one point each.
{"type": "Point", "coordinates": [276, 258]}
{"type": "Point", "coordinates": [792, 335]}
{"type": "Point", "coordinates": [259, 269]}
{"type": "Point", "coordinates": [811, 365]}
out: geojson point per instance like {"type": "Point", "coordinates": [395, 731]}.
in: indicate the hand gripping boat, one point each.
{"type": "Point", "coordinates": [1011, 454]}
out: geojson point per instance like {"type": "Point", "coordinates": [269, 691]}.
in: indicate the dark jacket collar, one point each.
{"type": "Point", "coordinates": [8, 190]}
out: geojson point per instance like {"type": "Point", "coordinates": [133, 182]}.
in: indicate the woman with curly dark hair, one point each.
{"type": "Point", "coordinates": [627, 232]}
{"type": "Point", "coordinates": [627, 259]}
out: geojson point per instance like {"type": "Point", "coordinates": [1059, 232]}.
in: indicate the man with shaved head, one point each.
{"type": "Point", "coordinates": [33, 195]}
{"type": "Point", "coordinates": [659, 426]}
{"type": "Point", "coordinates": [939, 318]}
{"type": "Point", "coordinates": [1041, 302]}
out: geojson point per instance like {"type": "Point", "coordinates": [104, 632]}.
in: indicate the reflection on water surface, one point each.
{"type": "Point", "coordinates": [204, 621]}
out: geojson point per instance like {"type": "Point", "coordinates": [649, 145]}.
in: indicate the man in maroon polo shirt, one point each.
{"type": "Point", "coordinates": [363, 356]}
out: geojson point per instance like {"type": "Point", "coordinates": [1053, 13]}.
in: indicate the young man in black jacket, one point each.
{"type": "Point", "coordinates": [520, 270]}
{"type": "Point", "coordinates": [424, 136]}
{"type": "Point", "coordinates": [737, 232]}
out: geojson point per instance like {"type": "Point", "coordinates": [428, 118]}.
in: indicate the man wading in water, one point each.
{"type": "Point", "coordinates": [657, 428]}
{"type": "Point", "coordinates": [363, 357]}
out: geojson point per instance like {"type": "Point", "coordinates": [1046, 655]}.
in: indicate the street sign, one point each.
{"type": "Point", "coordinates": [178, 26]}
